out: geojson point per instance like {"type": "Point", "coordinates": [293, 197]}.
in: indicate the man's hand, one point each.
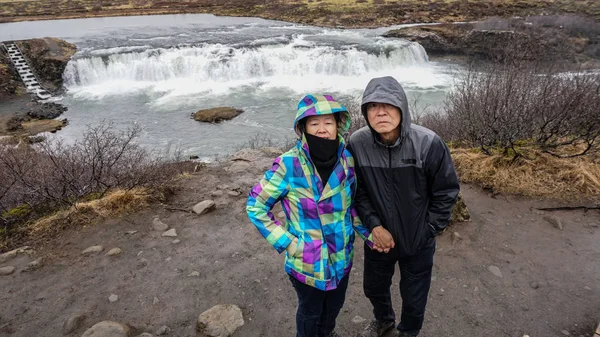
{"type": "Point", "coordinates": [292, 247]}
{"type": "Point", "coordinates": [382, 239]}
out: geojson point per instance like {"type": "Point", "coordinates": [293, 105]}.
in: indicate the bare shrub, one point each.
{"type": "Point", "coordinates": [511, 105]}
{"type": "Point", "coordinates": [54, 175]}
{"type": "Point", "coordinates": [263, 141]}
{"type": "Point", "coordinates": [354, 109]}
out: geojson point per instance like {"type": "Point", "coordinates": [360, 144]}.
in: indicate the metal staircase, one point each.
{"type": "Point", "coordinates": [25, 72]}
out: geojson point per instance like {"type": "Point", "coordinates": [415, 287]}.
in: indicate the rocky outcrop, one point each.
{"type": "Point", "coordinates": [216, 115]}
{"type": "Point", "coordinates": [515, 41]}
{"type": "Point", "coordinates": [48, 57]}
{"type": "Point", "coordinates": [10, 84]}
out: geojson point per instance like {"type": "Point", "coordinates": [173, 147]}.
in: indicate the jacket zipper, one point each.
{"type": "Point", "coordinates": [390, 157]}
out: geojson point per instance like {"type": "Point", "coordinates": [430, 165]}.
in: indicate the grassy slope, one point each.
{"type": "Point", "coordinates": [348, 13]}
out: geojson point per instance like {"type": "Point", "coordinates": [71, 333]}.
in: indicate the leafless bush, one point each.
{"type": "Point", "coordinates": [506, 106]}
{"type": "Point", "coordinates": [55, 174]}
{"type": "Point", "coordinates": [354, 109]}
{"type": "Point", "coordinates": [263, 140]}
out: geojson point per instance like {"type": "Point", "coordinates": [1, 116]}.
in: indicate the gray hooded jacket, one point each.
{"type": "Point", "coordinates": [409, 187]}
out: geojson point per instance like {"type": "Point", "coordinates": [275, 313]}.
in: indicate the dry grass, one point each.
{"type": "Point", "coordinates": [113, 205]}
{"type": "Point", "coordinates": [541, 176]}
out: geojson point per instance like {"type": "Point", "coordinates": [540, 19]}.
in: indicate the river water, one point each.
{"type": "Point", "coordinates": [156, 70]}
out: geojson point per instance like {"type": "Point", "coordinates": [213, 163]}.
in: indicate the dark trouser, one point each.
{"type": "Point", "coordinates": [415, 280]}
{"type": "Point", "coordinates": [318, 309]}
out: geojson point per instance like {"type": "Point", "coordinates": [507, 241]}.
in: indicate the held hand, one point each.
{"type": "Point", "coordinates": [382, 239]}
{"type": "Point", "coordinates": [292, 247]}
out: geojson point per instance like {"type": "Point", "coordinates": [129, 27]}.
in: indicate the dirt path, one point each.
{"type": "Point", "coordinates": [550, 278]}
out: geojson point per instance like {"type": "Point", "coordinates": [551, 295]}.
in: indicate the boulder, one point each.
{"type": "Point", "coordinates": [48, 57]}
{"type": "Point", "coordinates": [220, 321]}
{"type": "Point", "coordinates": [107, 329]}
{"type": "Point", "coordinates": [216, 115]}
{"type": "Point", "coordinates": [460, 212]}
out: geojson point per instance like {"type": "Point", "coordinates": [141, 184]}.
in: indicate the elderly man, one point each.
{"type": "Point", "coordinates": [407, 186]}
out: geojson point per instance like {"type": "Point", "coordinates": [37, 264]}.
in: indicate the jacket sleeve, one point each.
{"type": "Point", "coordinates": [362, 202]}
{"type": "Point", "coordinates": [361, 230]}
{"type": "Point", "coordinates": [271, 189]}
{"type": "Point", "coordinates": [443, 185]}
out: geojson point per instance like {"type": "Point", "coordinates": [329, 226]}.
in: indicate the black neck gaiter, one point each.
{"type": "Point", "coordinates": [323, 153]}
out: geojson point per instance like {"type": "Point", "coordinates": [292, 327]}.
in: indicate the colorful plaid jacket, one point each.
{"type": "Point", "coordinates": [320, 215]}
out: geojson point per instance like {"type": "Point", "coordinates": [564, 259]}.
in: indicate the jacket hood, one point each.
{"type": "Point", "coordinates": [387, 90]}
{"type": "Point", "coordinates": [313, 105]}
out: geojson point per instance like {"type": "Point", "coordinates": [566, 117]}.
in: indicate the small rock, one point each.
{"type": "Point", "coordinates": [93, 250]}
{"type": "Point", "coordinates": [176, 241]}
{"type": "Point", "coordinates": [114, 251]}
{"type": "Point", "coordinates": [220, 320]}
{"type": "Point", "coordinates": [170, 233]}
{"type": "Point", "coordinates": [155, 301]}
{"type": "Point", "coordinates": [73, 323]}
{"type": "Point", "coordinates": [204, 207]}
{"type": "Point", "coordinates": [163, 330]}
{"type": "Point", "coordinates": [7, 270]}
{"type": "Point", "coordinates": [194, 273]}
{"type": "Point", "coordinates": [495, 270]}
{"type": "Point", "coordinates": [456, 237]}
{"type": "Point", "coordinates": [566, 333]}
{"type": "Point", "coordinates": [217, 193]}
{"type": "Point", "coordinates": [555, 221]}
{"type": "Point", "coordinates": [358, 320]}
{"type": "Point", "coordinates": [159, 226]}
{"type": "Point", "coordinates": [131, 232]}
{"type": "Point", "coordinates": [233, 193]}
{"type": "Point", "coordinates": [107, 329]}
{"type": "Point", "coordinates": [587, 288]}
{"type": "Point", "coordinates": [13, 253]}
{"type": "Point", "coordinates": [534, 285]}
{"type": "Point", "coordinates": [113, 298]}
{"type": "Point", "coordinates": [519, 216]}
{"type": "Point", "coordinates": [35, 264]}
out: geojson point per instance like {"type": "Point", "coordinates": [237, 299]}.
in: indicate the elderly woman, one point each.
{"type": "Point", "coordinates": [315, 183]}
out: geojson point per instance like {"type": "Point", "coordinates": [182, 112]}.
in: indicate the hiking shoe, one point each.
{"type": "Point", "coordinates": [407, 334]}
{"type": "Point", "coordinates": [377, 328]}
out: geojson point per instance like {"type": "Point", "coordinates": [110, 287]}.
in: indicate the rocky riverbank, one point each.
{"type": "Point", "coordinates": [20, 113]}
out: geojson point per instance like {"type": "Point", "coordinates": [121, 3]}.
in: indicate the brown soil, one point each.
{"type": "Point", "coordinates": [550, 278]}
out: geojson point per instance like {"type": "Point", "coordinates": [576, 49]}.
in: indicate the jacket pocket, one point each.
{"type": "Point", "coordinates": [296, 251]}
{"type": "Point", "coordinates": [426, 237]}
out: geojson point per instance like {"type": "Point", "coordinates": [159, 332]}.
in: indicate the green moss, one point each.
{"type": "Point", "coordinates": [18, 212]}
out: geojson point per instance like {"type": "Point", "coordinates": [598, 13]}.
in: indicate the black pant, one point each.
{"type": "Point", "coordinates": [318, 309]}
{"type": "Point", "coordinates": [415, 280]}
